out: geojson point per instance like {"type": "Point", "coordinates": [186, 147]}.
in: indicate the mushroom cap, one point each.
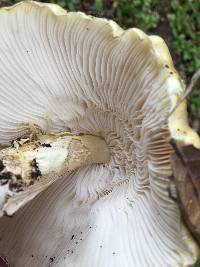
{"type": "Point", "coordinates": [68, 71]}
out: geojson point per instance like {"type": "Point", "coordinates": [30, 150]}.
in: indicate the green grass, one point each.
{"type": "Point", "coordinates": [197, 264]}
{"type": "Point", "coordinates": [138, 13]}
{"type": "Point", "coordinates": [184, 23]}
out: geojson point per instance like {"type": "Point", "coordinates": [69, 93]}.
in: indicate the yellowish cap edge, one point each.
{"type": "Point", "coordinates": [178, 122]}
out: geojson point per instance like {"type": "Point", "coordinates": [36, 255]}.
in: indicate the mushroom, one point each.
{"type": "Point", "coordinates": [71, 72]}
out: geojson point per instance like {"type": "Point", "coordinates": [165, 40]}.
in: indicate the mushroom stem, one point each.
{"type": "Point", "coordinates": [29, 167]}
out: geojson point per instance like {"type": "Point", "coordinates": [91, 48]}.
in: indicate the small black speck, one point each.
{"type": "Point", "coordinates": [72, 237]}
{"type": "Point", "coordinates": [166, 66]}
{"type": "Point", "coordinates": [35, 174]}
{"type": "Point", "coordinates": [171, 72]}
{"type": "Point", "coordinates": [76, 242]}
{"type": "Point", "coordinates": [1, 165]}
{"type": "Point", "coordinates": [6, 176]}
{"type": "Point", "coordinates": [51, 259]}
{"type": "Point", "coordinates": [87, 29]}
{"type": "Point", "coordinates": [31, 182]}
{"type": "Point", "coordinates": [81, 233]}
{"type": "Point", "coordinates": [113, 253]}
{"type": "Point", "coordinates": [72, 252]}
{"type": "Point", "coordinates": [101, 246]}
{"type": "Point", "coordinates": [81, 238]}
{"type": "Point", "coordinates": [46, 145]}
{"type": "Point", "coordinates": [34, 163]}
{"type": "Point", "coordinates": [19, 189]}
{"type": "Point", "coordinates": [18, 176]}
{"type": "Point", "coordinates": [12, 143]}
{"type": "Point", "coordinates": [90, 227]}
{"type": "Point", "coordinates": [3, 182]}
{"type": "Point", "coordinates": [32, 256]}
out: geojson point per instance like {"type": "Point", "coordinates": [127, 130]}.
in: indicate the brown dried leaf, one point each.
{"type": "Point", "coordinates": [186, 173]}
